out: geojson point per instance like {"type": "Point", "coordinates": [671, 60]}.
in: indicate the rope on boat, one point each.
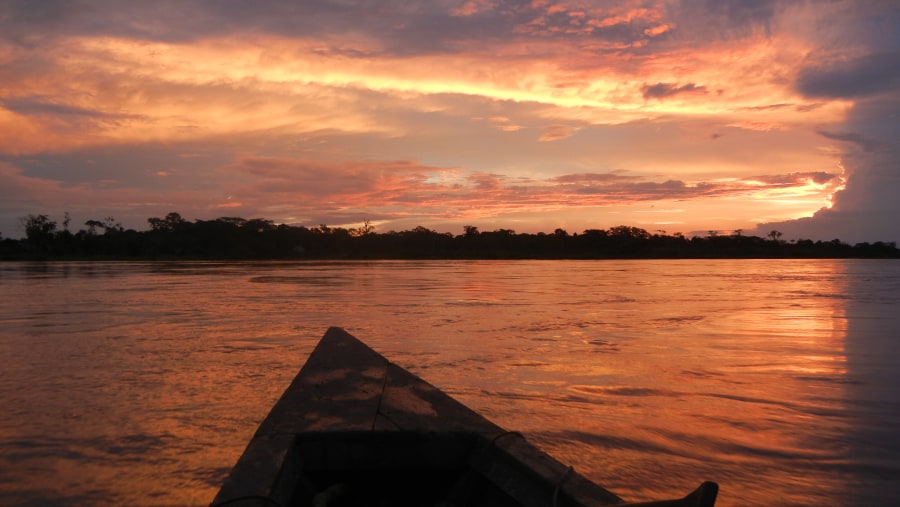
{"type": "Point", "coordinates": [507, 433]}
{"type": "Point", "coordinates": [562, 479]}
{"type": "Point", "coordinates": [384, 383]}
{"type": "Point", "coordinates": [559, 484]}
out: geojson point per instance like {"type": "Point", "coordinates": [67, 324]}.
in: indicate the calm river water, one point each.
{"type": "Point", "coordinates": [140, 383]}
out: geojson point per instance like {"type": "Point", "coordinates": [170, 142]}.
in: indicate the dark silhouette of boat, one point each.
{"type": "Point", "coordinates": [355, 429]}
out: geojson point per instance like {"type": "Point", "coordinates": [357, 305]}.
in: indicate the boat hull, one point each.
{"type": "Point", "coordinates": [355, 429]}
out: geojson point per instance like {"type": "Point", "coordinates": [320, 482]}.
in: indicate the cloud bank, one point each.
{"type": "Point", "coordinates": [868, 207]}
{"type": "Point", "coordinates": [528, 115]}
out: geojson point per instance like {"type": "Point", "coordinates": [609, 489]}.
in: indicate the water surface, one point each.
{"type": "Point", "coordinates": [140, 383]}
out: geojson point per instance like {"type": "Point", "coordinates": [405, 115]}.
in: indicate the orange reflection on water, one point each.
{"type": "Point", "coordinates": [747, 387]}
{"type": "Point", "coordinates": [647, 376]}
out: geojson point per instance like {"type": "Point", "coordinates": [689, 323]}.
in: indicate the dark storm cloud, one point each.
{"type": "Point", "coordinates": [867, 209]}
{"type": "Point", "coordinates": [851, 137]}
{"type": "Point", "coordinates": [858, 61]}
{"type": "Point", "coordinates": [860, 77]}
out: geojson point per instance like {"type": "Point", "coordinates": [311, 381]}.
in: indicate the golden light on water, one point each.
{"type": "Point", "coordinates": [749, 373]}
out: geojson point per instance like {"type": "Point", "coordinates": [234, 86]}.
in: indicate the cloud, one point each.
{"type": "Point", "coordinates": [665, 90]}
{"type": "Point", "coordinates": [867, 75]}
{"type": "Point", "coordinates": [399, 190]}
{"type": "Point", "coordinates": [859, 77]}
{"type": "Point", "coordinates": [617, 185]}
{"type": "Point", "coordinates": [60, 120]}
{"type": "Point", "coordinates": [557, 132]}
{"type": "Point", "coordinates": [37, 106]}
{"type": "Point", "coordinates": [442, 109]}
{"type": "Point", "coordinates": [505, 124]}
{"type": "Point", "coordinates": [472, 7]}
{"type": "Point", "coordinates": [289, 179]}
{"type": "Point", "coordinates": [859, 139]}
{"type": "Point", "coordinates": [795, 179]}
{"type": "Point", "coordinates": [486, 182]}
{"type": "Point", "coordinates": [868, 207]}
{"type": "Point", "coordinates": [724, 19]}
{"type": "Point", "coordinates": [21, 194]}
{"type": "Point", "coordinates": [594, 178]}
{"type": "Point", "coordinates": [18, 191]}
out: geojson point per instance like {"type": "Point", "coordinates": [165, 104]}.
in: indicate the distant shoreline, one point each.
{"type": "Point", "coordinates": [173, 238]}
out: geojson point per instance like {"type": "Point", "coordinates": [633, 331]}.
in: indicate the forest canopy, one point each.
{"type": "Point", "coordinates": [226, 238]}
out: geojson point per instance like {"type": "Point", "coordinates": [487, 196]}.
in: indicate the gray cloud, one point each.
{"type": "Point", "coordinates": [400, 27]}
{"type": "Point", "coordinates": [850, 137]}
{"type": "Point", "coordinates": [614, 184]}
{"type": "Point", "coordinates": [869, 207]}
{"type": "Point", "coordinates": [860, 77]}
{"type": "Point", "coordinates": [39, 106]}
{"type": "Point", "coordinates": [862, 65]}
{"type": "Point", "coordinates": [663, 90]}
{"type": "Point", "coordinates": [723, 19]}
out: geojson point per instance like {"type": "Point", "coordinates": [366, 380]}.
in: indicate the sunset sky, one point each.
{"type": "Point", "coordinates": [676, 116]}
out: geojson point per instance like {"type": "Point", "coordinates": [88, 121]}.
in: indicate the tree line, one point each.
{"type": "Point", "coordinates": [173, 237]}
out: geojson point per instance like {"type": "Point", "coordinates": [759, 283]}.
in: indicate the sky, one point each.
{"type": "Point", "coordinates": [674, 116]}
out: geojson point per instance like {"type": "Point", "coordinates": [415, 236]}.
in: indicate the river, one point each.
{"type": "Point", "coordinates": [140, 383]}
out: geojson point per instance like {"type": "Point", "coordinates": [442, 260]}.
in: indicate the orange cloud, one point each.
{"type": "Point", "coordinates": [108, 90]}
{"type": "Point", "coordinates": [655, 31]}
{"type": "Point", "coordinates": [689, 100]}
{"type": "Point", "coordinates": [557, 132]}
{"type": "Point", "coordinates": [401, 189]}
{"type": "Point", "coordinates": [472, 7]}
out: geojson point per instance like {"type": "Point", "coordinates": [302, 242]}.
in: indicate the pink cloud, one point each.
{"type": "Point", "coordinates": [472, 8]}
{"type": "Point", "coordinates": [557, 132]}
{"type": "Point", "coordinates": [401, 189]}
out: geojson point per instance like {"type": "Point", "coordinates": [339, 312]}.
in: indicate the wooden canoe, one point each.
{"type": "Point", "coordinates": [355, 429]}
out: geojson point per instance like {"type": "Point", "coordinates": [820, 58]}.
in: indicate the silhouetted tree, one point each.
{"type": "Point", "coordinates": [366, 228]}
{"type": "Point", "coordinates": [173, 237]}
{"type": "Point", "coordinates": [110, 225]}
{"type": "Point", "coordinates": [39, 231]}
{"type": "Point", "coordinates": [92, 226]}
{"type": "Point", "coordinates": [624, 231]}
{"type": "Point", "coordinates": [171, 222]}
